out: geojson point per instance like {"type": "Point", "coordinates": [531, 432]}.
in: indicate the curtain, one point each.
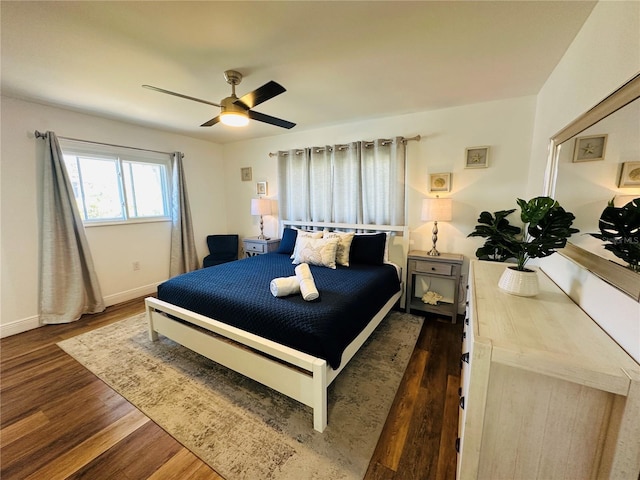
{"type": "Point", "coordinates": [320, 187]}
{"type": "Point", "coordinates": [293, 171]}
{"type": "Point", "coordinates": [68, 282]}
{"type": "Point", "coordinates": [360, 182]}
{"type": "Point", "coordinates": [347, 187]}
{"type": "Point", "coordinates": [184, 257]}
{"type": "Point", "coordinates": [383, 182]}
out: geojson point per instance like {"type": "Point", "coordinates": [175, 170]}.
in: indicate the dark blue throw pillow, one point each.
{"type": "Point", "coordinates": [288, 241]}
{"type": "Point", "coordinates": [368, 249]}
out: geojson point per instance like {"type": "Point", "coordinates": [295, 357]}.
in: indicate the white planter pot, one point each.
{"type": "Point", "coordinates": [522, 283]}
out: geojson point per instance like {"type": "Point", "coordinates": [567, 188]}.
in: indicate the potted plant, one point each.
{"type": "Point", "coordinates": [547, 226]}
{"type": "Point", "coordinates": [620, 226]}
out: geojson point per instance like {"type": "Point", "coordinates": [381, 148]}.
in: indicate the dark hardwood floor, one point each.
{"type": "Point", "coordinates": [58, 420]}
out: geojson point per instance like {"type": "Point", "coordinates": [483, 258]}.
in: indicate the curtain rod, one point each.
{"type": "Point", "coordinates": [44, 135]}
{"type": "Point", "coordinates": [416, 138]}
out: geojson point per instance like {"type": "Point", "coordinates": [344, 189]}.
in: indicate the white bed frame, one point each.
{"type": "Point", "coordinates": [298, 375]}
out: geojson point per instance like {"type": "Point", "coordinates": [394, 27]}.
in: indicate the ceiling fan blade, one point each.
{"type": "Point", "coordinates": [261, 94]}
{"type": "Point", "coordinates": [261, 117]}
{"type": "Point", "coordinates": [211, 122]}
{"type": "Point", "coordinates": [162, 90]}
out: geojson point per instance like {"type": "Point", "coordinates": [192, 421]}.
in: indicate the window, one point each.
{"type": "Point", "coordinates": [116, 186]}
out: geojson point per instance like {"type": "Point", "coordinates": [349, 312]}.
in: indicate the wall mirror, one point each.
{"type": "Point", "coordinates": [589, 165]}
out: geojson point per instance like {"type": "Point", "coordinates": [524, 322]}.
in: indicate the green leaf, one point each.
{"type": "Point", "coordinates": [535, 209]}
{"type": "Point", "coordinates": [500, 236]}
{"type": "Point", "coordinates": [620, 226]}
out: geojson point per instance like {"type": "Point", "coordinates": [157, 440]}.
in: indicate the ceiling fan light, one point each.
{"type": "Point", "coordinates": [234, 119]}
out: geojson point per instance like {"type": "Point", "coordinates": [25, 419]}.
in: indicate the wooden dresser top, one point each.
{"type": "Point", "coordinates": [547, 333]}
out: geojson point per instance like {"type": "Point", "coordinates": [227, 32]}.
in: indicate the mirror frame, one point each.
{"type": "Point", "coordinates": [614, 274]}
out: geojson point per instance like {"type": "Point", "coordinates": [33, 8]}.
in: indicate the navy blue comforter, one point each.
{"type": "Point", "coordinates": [237, 293]}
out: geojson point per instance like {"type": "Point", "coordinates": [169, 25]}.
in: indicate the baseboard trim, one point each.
{"type": "Point", "coordinates": [29, 323]}
{"type": "Point", "coordinates": [131, 294]}
{"type": "Point", "coordinates": [19, 326]}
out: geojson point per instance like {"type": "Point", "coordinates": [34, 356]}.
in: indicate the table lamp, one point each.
{"type": "Point", "coordinates": [261, 206]}
{"type": "Point", "coordinates": [435, 210]}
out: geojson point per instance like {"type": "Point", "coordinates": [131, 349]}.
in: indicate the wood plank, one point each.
{"type": "Point", "coordinates": [122, 460]}
{"type": "Point", "coordinates": [426, 427]}
{"type": "Point", "coordinates": [446, 466]}
{"type": "Point", "coordinates": [184, 464]}
{"type": "Point", "coordinates": [77, 457]}
{"type": "Point", "coordinates": [396, 428]}
{"type": "Point", "coordinates": [22, 427]}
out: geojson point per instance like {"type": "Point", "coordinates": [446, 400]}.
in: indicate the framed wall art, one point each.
{"type": "Point", "coordinates": [590, 148]}
{"type": "Point", "coordinates": [440, 182]}
{"type": "Point", "coordinates": [261, 188]}
{"type": "Point", "coordinates": [245, 174]}
{"type": "Point", "coordinates": [630, 175]}
{"type": "Point", "coordinates": [476, 157]}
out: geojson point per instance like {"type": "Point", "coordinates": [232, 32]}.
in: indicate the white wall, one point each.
{"type": "Point", "coordinates": [114, 248]}
{"type": "Point", "coordinates": [504, 125]}
{"type": "Point", "coordinates": [604, 55]}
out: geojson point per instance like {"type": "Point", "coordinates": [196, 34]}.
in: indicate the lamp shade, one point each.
{"type": "Point", "coordinates": [436, 209]}
{"type": "Point", "coordinates": [260, 206]}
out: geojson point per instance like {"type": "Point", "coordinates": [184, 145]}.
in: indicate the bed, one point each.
{"type": "Point", "coordinates": [228, 314]}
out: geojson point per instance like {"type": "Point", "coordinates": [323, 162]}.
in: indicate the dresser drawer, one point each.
{"type": "Point", "coordinates": [255, 247]}
{"type": "Point", "coordinates": [433, 267]}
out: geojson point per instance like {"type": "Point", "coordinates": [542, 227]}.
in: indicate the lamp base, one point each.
{"type": "Point", "coordinates": [433, 252]}
{"type": "Point", "coordinates": [261, 236]}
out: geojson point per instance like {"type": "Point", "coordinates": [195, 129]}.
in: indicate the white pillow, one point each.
{"type": "Point", "coordinates": [344, 245]}
{"type": "Point", "coordinates": [316, 251]}
{"type": "Point", "coordinates": [303, 234]}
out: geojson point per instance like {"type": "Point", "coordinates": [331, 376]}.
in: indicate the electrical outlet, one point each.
{"type": "Point", "coordinates": [136, 266]}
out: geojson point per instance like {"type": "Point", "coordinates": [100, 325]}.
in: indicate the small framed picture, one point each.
{"type": "Point", "coordinates": [590, 148]}
{"type": "Point", "coordinates": [245, 174]}
{"type": "Point", "coordinates": [476, 157]}
{"type": "Point", "coordinates": [630, 175]}
{"type": "Point", "coordinates": [261, 188]}
{"type": "Point", "coordinates": [440, 182]}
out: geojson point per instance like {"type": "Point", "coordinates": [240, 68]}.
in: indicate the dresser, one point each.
{"type": "Point", "coordinates": [545, 393]}
{"type": "Point", "coordinates": [257, 246]}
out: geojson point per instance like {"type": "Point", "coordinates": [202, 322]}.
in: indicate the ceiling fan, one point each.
{"type": "Point", "coordinates": [235, 111]}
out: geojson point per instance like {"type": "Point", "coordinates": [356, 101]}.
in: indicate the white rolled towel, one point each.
{"type": "Point", "coordinates": [283, 286]}
{"type": "Point", "coordinates": [307, 285]}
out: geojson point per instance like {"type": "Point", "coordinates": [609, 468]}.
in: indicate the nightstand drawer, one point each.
{"type": "Point", "coordinates": [433, 267]}
{"type": "Point", "coordinates": [255, 247]}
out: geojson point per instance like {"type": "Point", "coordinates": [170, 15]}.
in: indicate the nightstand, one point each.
{"type": "Point", "coordinates": [256, 246]}
{"type": "Point", "coordinates": [444, 267]}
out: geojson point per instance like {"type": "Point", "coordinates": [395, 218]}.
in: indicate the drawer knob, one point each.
{"type": "Point", "coordinates": [433, 269]}
{"type": "Point", "coordinates": [462, 403]}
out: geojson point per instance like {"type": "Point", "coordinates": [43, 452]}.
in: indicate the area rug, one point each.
{"type": "Point", "coordinates": [240, 428]}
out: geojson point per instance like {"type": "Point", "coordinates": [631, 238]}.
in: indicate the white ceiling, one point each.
{"type": "Point", "coordinates": [339, 61]}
